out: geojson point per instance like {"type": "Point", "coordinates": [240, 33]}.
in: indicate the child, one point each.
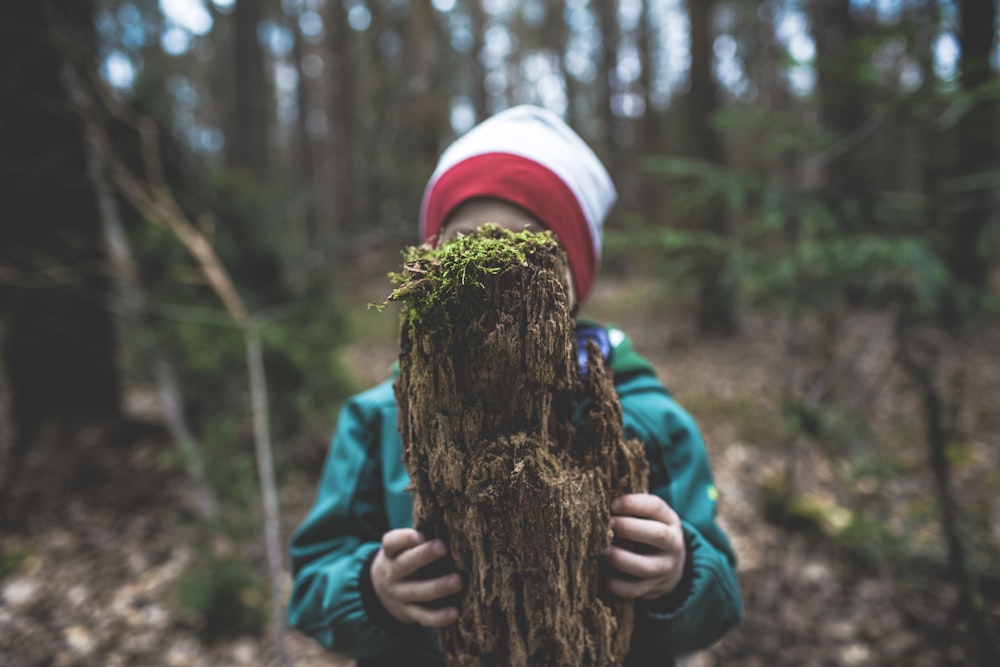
{"type": "Point", "coordinates": [355, 555]}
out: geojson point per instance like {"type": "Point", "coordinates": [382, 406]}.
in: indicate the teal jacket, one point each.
{"type": "Point", "coordinates": [363, 493]}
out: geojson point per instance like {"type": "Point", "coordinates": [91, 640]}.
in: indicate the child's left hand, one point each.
{"type": "Point", "coordinates": [646, 519]}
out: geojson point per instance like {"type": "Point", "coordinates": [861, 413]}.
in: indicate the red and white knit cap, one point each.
{"type": "Point", "coordinates": [529, 157]}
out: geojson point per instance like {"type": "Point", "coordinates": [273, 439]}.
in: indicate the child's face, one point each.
{"type": "Point", "coordinates": [473, 214]}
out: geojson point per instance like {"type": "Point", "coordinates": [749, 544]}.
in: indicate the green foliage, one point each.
{"type": "Point", "coordinates": [803, 417]}
{"type": "Point", "coordinates": [791, 248]}
{"type": "Point", "coordinates": [307, 376]}
{"type": "Point", "coordinates": [808, 513]}
{"type": "Point", "coordinates": [222, 597]}
{"type": "Point", "coordinates": [252, 239]}
{"type": "Point", "coordinates": [14, 560]}
{"type": "Point", "coordinates": [754, 419]}
{"type": "Point", "coordinates": [307, 380]}
{"type": "Point", "coordinates": [774, 134]}
{"type": "Point", "coordinates": [303, 327]}
{"type": "Point", "coordinates": [868, 540]}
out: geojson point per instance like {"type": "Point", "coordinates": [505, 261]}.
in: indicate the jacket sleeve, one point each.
{"type": "Point", "coordinates": [707, 602]}
{"type": "Point", "coordinates": [334, 543]}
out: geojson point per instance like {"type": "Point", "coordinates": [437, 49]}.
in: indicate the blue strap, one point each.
{"type": "Point", "coordinates": [595, 333]}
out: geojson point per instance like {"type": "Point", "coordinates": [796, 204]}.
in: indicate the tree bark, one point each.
{"type": "Point", "coordinates": [58, 338]}
{"type": "Point", "coordinates": [340, 135]}
{"type": "Point", "coordinates": [607, 86]}
{"type": "Point", "coordinates": [716, 307]}
{"type": "Point", "coordinates": [426, 110]}
{"type": "Point", "coordinates": [246, 142]}
{"type": "Point", "coordinates": [487, 390]}
{"type": "Point", "coordinates": [843, 109]}
{"type": "Point", "coordinates": [976, 135]}
{"type": "Point", "coordinates": [920, 365]}
{"type": "Point", "coordinates": [480, 97]}
{"type": "Point", "coordinates": [305, 154]}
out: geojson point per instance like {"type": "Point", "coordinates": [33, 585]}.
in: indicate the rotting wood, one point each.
{"type": "Point", "coordinates": [487, 391]}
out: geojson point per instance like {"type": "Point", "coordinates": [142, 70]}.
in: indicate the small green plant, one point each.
{"type": "Point", "coordinates": [222, 597]}
{"type": "Point", "coordinates": [14, 560]}
{"type": "Point", "coordinates": [807, 513]}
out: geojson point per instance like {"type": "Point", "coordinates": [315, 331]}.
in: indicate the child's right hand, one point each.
{"type": "Point", "coordinates": [405, 551]}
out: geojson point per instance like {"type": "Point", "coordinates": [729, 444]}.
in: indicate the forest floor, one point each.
{"type": "Point", "coordinates": [88, 573]}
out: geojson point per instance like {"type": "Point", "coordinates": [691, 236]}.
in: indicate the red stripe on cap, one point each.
{"type": "Point", "coordinates": [527, 184]}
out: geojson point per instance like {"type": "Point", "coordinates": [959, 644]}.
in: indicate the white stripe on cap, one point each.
{"type": "Point", "coordinates": [540, 135]}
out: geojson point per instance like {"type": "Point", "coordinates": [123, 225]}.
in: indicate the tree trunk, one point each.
{"type": "Point", "coordinates": [647, 139]}
{"type": "Point", "coordinates": [480, 97]}
{"type": "Point", "coordinates": [58, 337]}
{"type": "Point", "coordinates": [486, 391]}
{"type": "Point", "coordinates": [379, 187]}
{"type": "Point", "coordinates": [246, 141]}
{"type": "Point", "coordinates": [716, 308]}
{"type": "Point", "coordinates": [305, 163]}
{"type": "Point", "coordinates": [843, 108]}
{"type": "Point", "coordinates": [341, 127]}
{"type": "Point", "coordinates": [426, 114]}
{"type": "Point", "coordinates": [968, 256]}
{"type": "Point", "coordinates": [607, 86]}
{"type": "Point", "coordinates": [555, 36]}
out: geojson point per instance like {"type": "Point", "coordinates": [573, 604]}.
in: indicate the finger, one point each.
{"type": "Point", "coordinates": [644, 505]}
{"type": "Point", "coordinates": [428, 590]}
{"type": "Point", "coordinates": [400, 539]}
{"type": "Point", "coordinates": [411, 560]}
{"type": "Point", "coordinates": [432, 618]}
{"type": "Point", "coordinates": [630, 589]}
{"type": "Point", "coordinates": [638, 565]}
{"type": "Point", "coordinates": [662, 537]}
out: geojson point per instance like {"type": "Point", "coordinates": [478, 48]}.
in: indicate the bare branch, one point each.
{"type": "Point", "coordinates": [157, 204]}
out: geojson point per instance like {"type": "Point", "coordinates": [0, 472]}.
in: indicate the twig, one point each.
{"type": "Point", "coordinates": [265, 468]}
{"type": "Point", "coordinates": [824, 158]}
{"type": "Point", "coordinates": [921, 372]}
{"type": "Point", "coordinates": [132, 304]}
{"type": "Point", "coordinates": [157, 203]}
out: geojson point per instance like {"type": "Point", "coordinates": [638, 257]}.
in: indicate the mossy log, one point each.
{"type": "Point", "coordinates": [487, 390]}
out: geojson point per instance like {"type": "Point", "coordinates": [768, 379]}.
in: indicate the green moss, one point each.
{"type": "Point", "coordinates": [16, 560]}
{"type": "Point", "coordinates": [432, 277]}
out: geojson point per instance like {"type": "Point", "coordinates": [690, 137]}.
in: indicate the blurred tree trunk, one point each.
{"type": "Point", "coordinates": [968, 253]}
{"type": "Point", "coordinates": [765, 60]}
{"type": "Point", "coordinates": [646, 43]}
{"type": "Point", "coordinates": [716, 307]}
{"type": "Point", "coordinates": [925, 21]}
{"type": "Point", "coordinates": [386, 162]}
{"type": "Point", "coordinates": [649, 135]}
{"type": "Point", "coordinates": [58, 335]}
{"type": "Point", "coordinates": [555, 36]}
{"type": "Point", "coordinates": [305, 154]}
{"type": "Point", "coordinates": [931, 142]}
{"type": "Point", "coordinates": [426, 108]}
{"type": "Point", "coordinates": [479, 94]}
{"type": "Point", "coordinates": [843, 108]}
{"type": "Point", "coordinates": [247, 138]}
{"type": "Point", "coordinates": [922, 362]}
{"type": "Point", "coordinates": [341, 127]}
{"type": "Point", "coordinates": [606, 86]}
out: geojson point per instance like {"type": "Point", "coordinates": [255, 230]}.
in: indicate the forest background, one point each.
{"type": "Point", "coordinates": [202, 196]}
